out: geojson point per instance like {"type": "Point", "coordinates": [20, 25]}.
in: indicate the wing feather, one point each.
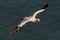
{"type": "Point", "coordinates": [39, 11]}
{"type": "Point", "coordinates": [18, 27]}
{"type": "Point", "coordinates": [14, 31]}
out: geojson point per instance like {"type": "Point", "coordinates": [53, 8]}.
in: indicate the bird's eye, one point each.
{"type": "Point", "coordinates": [37, 20]}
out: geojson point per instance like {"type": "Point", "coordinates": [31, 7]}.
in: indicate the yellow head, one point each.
{"type": "Point", "coordinates": [35, 20]}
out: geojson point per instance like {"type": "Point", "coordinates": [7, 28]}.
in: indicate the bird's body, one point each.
{"type": "Point", "coordinates": [29, 19]}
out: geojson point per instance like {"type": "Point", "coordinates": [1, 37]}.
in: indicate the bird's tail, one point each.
{"type": "Point", "coordinates": [14, 31]}
{"type": "Point", "coordinates": [45, 7]}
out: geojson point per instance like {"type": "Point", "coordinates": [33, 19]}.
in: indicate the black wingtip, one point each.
{"type": "Point", "coordinates": [14, 31]}
{"type": "Point", "coordinates": [45, 7]}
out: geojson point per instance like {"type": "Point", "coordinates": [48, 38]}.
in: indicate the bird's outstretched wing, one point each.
{"type": "Point", "coordinates": [39, 11]}
{"type": "Point", "coordinates": [18, 27]}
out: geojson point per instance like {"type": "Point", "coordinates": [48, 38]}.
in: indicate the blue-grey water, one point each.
{"type": "Point", "coordinates": [12, 11]}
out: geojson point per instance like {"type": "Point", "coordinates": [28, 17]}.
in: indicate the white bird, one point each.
{"type": "Point", "coordinates": [29, 19]}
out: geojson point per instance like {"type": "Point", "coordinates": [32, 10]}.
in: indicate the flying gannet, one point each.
{"type": "Point", "coordinates": [29, 19]}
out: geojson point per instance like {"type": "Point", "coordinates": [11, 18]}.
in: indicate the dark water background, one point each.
{"type": "Point", "coordinates": [12, 11]}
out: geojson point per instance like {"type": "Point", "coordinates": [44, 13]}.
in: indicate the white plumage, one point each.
{"type": "Point", "coordinates": [29, 19]}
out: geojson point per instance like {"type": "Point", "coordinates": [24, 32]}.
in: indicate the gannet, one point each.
{"type": "Point", "coordinates": [29, 19]}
